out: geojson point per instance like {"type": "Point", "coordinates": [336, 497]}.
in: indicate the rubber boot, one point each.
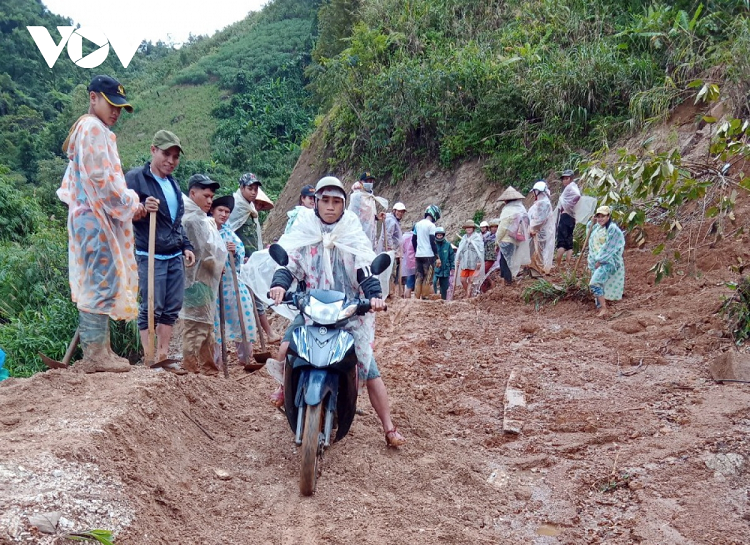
{"type": "Point", "coordinates": [97, 354]}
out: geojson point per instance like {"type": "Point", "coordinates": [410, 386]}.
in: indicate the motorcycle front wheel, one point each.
{"type": "Point", "coordinates": [311, 442]}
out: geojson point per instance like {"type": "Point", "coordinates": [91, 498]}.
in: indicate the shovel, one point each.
{"type": "Point", "coordinates": [246, 345]}
{"type": "Point", "coordinates": [222, 328]}
{"type": "Point", "coordinates": [54, 364]}
{"type": "Point", "coordinates": [150, 348]}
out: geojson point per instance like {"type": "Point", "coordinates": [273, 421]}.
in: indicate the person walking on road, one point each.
{"type": "Point", "coordinates": [101, 263]}
{"type": "Point", "coordinates": [470, 259]}
{"type": "Point", "coordinates": [512, 236]}
{"type": "Point", "coordinates": [447, 256]}
{"type": "Point", "coordinates": [423, 240]}
{"type": "Point", "coordinates": [364, 204]}
{"type": "Point", "coordinates": [606, 246]}
{"type": "Point", "coordinates": [173, 250]}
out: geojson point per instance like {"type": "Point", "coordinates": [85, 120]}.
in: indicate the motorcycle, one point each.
{"type": "Point", "coordinates": [320, 372]}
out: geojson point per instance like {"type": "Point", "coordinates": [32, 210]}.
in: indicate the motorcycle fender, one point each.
{"type": "Point", "coordinates": [318, 385]}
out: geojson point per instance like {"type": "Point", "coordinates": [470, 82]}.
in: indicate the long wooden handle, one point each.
{"type": "Point", "coordinates": [222, 328]}
{"type": "Point", "coordinates": [585, 243]}
{"type": "Point", "coordinates": [239, 301]}
{"type": "Point", "coordinates": [150, 349]}
{"type": "Point", "coordinates": [71, 348]}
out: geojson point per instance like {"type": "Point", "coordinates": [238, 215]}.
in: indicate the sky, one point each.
{"type": "Point", "coordinates": [157, 20]}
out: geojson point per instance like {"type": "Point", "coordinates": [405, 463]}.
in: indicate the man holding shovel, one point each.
{"type": "Point", "coordinates": [161, 194]}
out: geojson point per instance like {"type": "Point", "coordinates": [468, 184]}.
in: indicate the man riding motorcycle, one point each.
{"type": "Point", "coordinates": [328, 249]}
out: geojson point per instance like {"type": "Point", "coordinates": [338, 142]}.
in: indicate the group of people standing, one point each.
{"type": "Point", "coordinates": [427, 263]}
{"type": "Point", "coordinates": [197, 242]}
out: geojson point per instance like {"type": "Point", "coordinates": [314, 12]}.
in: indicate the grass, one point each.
{"type": "Point", "coordinates": [543, 292]}
{"type": "Point", "coordinates": [185, 110]}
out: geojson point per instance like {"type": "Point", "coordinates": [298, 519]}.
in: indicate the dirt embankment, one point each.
{"type": "Point", "coordinates": [625, 439]}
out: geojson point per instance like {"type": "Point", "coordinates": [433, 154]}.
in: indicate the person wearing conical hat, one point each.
{"type": "Point", "coordinates": [470, 259]}
{"type": "Point", "coordinates": [512, 236]}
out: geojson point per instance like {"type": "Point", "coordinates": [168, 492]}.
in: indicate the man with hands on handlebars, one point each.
{"type": "Point", "coordinates": [328, 250]}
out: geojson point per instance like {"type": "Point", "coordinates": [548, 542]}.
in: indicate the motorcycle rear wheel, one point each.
{"type": "Point", "coordinates": [311, 443]}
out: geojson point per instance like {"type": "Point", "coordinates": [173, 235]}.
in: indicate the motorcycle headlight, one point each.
{"type": "Point", "coordinates": [347, 312]}
{"type": "Point", "coordinates": [323, 313]}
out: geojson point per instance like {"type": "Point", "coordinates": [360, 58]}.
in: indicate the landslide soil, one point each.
{"type": "Point", "coordinates": [621, 421]}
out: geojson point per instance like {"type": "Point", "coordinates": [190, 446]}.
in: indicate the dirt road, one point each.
{"type": "Point", "coordinates": [621, 430]}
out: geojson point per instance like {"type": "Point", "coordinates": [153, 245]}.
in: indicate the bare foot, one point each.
{"type": "Point", "coordinates": [603, 313]}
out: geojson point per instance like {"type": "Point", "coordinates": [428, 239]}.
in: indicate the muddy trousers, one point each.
{"type": "Point", "coordinates": [198, 348]}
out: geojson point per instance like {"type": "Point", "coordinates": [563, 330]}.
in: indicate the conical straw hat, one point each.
{"type": "Point", "coordinates": [510, 194]}
{"type": "Point", "coordinates": [262, 202]}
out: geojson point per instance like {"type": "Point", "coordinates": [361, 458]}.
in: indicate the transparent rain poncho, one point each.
{"type": "Point", "coordinates": [513, 218]}
{"type": "Point", "coordinates": [409, 260]}
{"type": "Point", "coordinates": [365, 206]}
{"type": "Point", "coordinates": [542, 221]}
{"type": "Point", "coordinates": [101, 260]}
{"type": "Point", "coordinates": [569, 198]}
{"type": "Point", "coordinates": [244, 210]}
{"type": "Point", "coordinates": [257, 275]}
{"type": "Point", "coordinates": [202, 279]}
{"type": "Point", "coordinates": [327, 257]}
{"type": "Point", "coordinates": [470, 254]}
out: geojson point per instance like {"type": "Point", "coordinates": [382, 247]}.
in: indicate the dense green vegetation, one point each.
{"type": "Point", "coordinates": [531, 85]}
{"type": "Point", "coordinates": [236, 99]}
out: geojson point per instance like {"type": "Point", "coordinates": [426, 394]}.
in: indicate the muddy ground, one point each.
{"type": "Point", "coordinates": [624, 439]}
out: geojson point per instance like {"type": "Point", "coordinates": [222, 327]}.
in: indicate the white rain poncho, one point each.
{"type": "Point", "coordinates": [470, 254]}
{"type": "Point", "coordinates": [327, 257]}
{"type": "Point", "coordinates": [364, 205]}
{"type": "Point", "coordinates": [569, 198]}
{"type": "Point", "coordinates": [244, 210]}
{"type": "Point", "coordinates": [514, 225]}
{"type": "Point", "coordinates": [257, 274]}
{"type": "Point", "coordinates": [202, 279]}
{"type": "Point", "coordinates": [542, 222]}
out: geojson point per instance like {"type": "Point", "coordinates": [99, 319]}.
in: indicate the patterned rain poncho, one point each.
{"type": "Point", "coordinates": [101, 260]}
{"type": "Point", "coordinates": [327, 257]}
{"type": "Point", "coordinates": [606, 245]}
{"type": "Point", "coordinates": [542, 221]}
{"type": "Point", "coordinates": [232, 324]}
{"type": "Point", "coordinates": [250, 234]}
{"type": "Point", "coordinates": [202, 279]}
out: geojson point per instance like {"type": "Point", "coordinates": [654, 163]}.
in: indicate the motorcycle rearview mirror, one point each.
{"type": "Point", "coordinates": [380, 263]}
{"type": "Point", "coordinates": [279, 255]}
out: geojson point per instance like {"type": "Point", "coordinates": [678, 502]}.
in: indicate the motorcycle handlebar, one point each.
{"type": "Point", "coordinates": [363, 306]}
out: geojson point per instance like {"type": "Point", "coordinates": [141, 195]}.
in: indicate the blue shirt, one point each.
{"type": "Point", "coordinates": [173, 204]}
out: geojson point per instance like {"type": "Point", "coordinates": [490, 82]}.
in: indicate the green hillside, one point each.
{"type": "Point", "coordinates": [528, 86]}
